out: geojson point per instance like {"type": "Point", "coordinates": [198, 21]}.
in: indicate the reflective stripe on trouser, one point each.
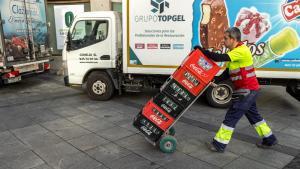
{"type": "Point", "coordinates": [224, 134]}
{"type": "Point", "coordinates": [263, 129]}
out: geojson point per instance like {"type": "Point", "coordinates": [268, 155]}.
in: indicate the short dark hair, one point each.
{"type": "Point", "coordinates": [234, 33]}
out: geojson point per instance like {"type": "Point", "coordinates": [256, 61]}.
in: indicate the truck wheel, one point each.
{"type": "Point", "coordinates": [220, 96]}
{"type": "Point", "coordinates": [99, 86]}
{"type": "Point", "coordinates": [293, 88]}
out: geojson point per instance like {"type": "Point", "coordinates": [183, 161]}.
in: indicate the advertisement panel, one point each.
{"type": "Point", "coordinates": [63, 15]}
{"type": "Point", "coordinates": [163, 32]}
{"type": "Point", "coordinates": [24, 23]}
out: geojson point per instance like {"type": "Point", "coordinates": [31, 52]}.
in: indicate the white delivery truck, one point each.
{"type": "Point", "coordinates": [23, 39]}
{"type": "Point", "coordinates": [105, 52]}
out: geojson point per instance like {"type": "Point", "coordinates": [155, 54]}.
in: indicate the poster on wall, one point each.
{"type": "Point", "coordinates": [169, 29]}
{"type": "Point", "coordinates": [62, 15]}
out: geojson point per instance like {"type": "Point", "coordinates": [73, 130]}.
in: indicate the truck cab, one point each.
{"type": "Point", "coordinates": [93, 45]}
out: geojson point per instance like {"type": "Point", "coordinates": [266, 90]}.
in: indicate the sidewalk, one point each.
{"type": "Point", "coordinates": [60, 128]}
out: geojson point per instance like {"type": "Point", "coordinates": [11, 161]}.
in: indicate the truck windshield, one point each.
{"type": "Point", "coordinates": [88, 32]}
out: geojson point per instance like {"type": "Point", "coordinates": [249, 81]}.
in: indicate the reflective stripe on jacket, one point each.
{"type": "Point", "coordinates": [242, 72]}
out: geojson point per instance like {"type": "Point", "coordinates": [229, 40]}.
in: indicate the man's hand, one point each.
{"type": "Point", "coordinates": [198, 47]}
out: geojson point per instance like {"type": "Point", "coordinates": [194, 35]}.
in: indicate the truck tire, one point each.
{"type": "Point", "coordinates": [293, 88]}
{"type": "Point", "coordinates": [220, 96]}
{"type": "Point", "coordinates": [99, 86]}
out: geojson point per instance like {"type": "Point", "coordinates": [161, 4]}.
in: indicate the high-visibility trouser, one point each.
{"type": "Point", "coordinates": [240, 107]}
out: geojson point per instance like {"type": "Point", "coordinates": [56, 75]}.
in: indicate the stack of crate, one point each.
{"type": "Point", "coordinates": [177, 94]}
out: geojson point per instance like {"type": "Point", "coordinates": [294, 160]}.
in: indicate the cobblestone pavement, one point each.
{"type": "Point", "coordinates": [45, 125]}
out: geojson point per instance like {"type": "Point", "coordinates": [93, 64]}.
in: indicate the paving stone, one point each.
{"type": "Point", "coordinates": [134, 143]}
{"type": "Point", "coordinates": [126, 110]}
{"type": "Point", "coordinates": [239, 147]}
{"type": "Point", "coordinates": [132, 161]}
{"type": "Point", "coordinates": [118, 117]}
{"type": "Point", "coordinates": [105, 112]}
{"type": "Point", "coordinates": [67, 111]}
{"type": "Point", "coordinates": [30, 131]}
{"type": "Point", "coordinates": [97, 125]}
{"type": "Point", "coordinates": [24, 160]}
{"type": "Point", "coordinates": [218, 159]}
{"type": "Point", "coordinates": [7, 138]}
{"type": "Point", "coordinates": [245, 163]}
{"type": "Point", "coordinates": [294, 131]}
{"type": "Point", "coordinates": [12, 148]}
{"type": "Point", "coordinates": [288, 140]}
{"type": "Point", "coordinates": [71, 132]}
{"type": "Point", "coordinates": [101, 167]}
{"type": "Point", "coordinates": [181, 161]}
{"type": "Point", "coordinates": [114, 133]}
{"type": "Point", "coordinates": [269, 157]}
{"type": "Point", "coordinates": [204, 117]}
{"type": "Point", "coordinates": [82, 118]}
{"type": "Point", "coordinates": [19, 122]}
{"type": "Point", "coordinates": [57, 124]}
{"type": "Point", "coordinates": [153, 154]}
{"type": "Point", "coordinates": [108, 153]}
{"type": "Point", "coordinates": [127, 124]}
{"type": "Point", "coordinates": [77, 161]}
{"type": "Point", "coordinates": [87, 142]}
{"type": "Point", "coordinates": [54, 154]}
{"type": "Point", "coordinates": [95, 106]}
{"type": "Point", "coordinates": [43, 166]}
{"type": "Point", "coordinates": [3, 127]}
{"type": "Point", "coordinates": [188, 146]}
{"type": "Point", "coordinates": [187, 132]}
{"type": "Point", "coordinates": [41, 140]}
{"type": "Point", "coordinates": [250, 131]}
{"type": "Point", "coordinates": [42, 115]}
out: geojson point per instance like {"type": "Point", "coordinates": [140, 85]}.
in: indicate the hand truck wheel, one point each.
{"type": "Point", "coordinates": [167, 144]}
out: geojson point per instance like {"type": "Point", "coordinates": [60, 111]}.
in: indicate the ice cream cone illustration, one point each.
{"type": "Point", "coordinates": [278, 45]}
{"type": "Point", "coordinates": [213, 24]}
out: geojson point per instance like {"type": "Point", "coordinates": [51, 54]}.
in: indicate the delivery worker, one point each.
{"type": "Point", "coordinates": [241, 72]}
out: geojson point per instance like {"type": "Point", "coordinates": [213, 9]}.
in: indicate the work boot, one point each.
{"type": "Point", "coordinates": [212, 148]}
{"type": "Point", "coordinates": [266, 146]}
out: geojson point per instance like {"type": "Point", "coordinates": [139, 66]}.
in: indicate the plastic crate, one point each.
{"type": "Point", "coordinates": [167, 104]}
{"type": "Point", "coordinates": [178, 93]}
{"type": "Point", "coordinates": [201, 66]}
{"type": "Point", "coordinates": [189, 80]}
{"type": "Point", "coordinates": [149, 129]}
{"type": "Point", "coordinates": [158, 116]}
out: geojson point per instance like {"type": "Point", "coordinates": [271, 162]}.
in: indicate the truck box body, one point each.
{"type": "Point", "coordinates": [23, 36]}
{"type": "Point", "coordinates": [159, 34]}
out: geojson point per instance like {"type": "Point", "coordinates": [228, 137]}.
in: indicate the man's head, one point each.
{"type": "Point", "coordinates": [232, 37]}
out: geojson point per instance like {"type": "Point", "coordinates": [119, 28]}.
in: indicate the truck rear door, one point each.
{"type": "Point", "coordinates": [89, 47]}
{"type": "Point", "coordinates": [36, 16]}
{"type": "Point", "coordinates": [16, 30]}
